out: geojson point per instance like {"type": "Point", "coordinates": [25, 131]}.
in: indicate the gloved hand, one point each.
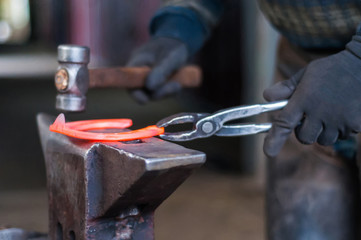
{"type": "Point", "coordinates": [324, 101]}
{"type": "Point", "coordinates": [164, 56]}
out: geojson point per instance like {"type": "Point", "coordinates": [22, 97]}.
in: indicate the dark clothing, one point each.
{"type": "Point", "coordinates": [312, 191]}
{"type": "Point", "coordinates": [313, 24]}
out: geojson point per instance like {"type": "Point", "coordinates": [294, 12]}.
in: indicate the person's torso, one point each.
{"type": "Point", "coordinates": [314, 23]}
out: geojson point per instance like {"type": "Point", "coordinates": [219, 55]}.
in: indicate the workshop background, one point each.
{"type": "Point", "coordinates": [224, 199]}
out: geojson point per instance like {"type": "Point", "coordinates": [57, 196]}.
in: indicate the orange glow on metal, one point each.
{"type": "Point", "coordinates": [78, 129]}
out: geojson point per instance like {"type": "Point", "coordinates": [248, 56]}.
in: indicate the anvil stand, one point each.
{"type": "Point", "coordinates": [109, 190]}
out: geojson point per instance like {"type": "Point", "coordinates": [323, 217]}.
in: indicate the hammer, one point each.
{"type": "Point", "coordinates": [73, 78]}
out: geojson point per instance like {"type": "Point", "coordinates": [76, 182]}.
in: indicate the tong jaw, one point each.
{"type": "Point", "coordinates": [181, 118]}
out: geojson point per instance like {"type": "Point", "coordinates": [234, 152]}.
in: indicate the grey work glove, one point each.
{"type": "Point", "coordinates": [164, 56]}
{"type": "Point", "coordinates": [324, 101]}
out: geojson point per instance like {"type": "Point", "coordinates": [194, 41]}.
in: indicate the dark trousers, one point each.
{"type": "Point", "coordinates": [312, 191]}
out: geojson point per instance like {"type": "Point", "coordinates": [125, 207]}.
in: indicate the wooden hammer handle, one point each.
{"type": "Point", "coordinates": [134, 77]}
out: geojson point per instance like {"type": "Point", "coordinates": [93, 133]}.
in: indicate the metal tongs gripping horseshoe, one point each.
{"type": "Point", "coordinates": [206, 125]}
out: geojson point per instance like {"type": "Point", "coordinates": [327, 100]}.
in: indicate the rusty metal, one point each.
{"type": "Point", "coordinates": [110, 190]}
{"type": "Point", "coordinates": [61, 80]}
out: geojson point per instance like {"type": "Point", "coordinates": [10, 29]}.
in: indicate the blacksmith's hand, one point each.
{"type": "Point", "coordinates": [164, 56]}
{"type": "Point", "coordinates": [324, 101]}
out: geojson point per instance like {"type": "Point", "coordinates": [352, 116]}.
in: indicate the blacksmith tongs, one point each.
{"type": "Point", "coordinates": [206, 125]}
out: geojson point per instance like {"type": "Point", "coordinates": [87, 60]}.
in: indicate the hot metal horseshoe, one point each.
{"type": "Point", "coordinates": [78, 129]}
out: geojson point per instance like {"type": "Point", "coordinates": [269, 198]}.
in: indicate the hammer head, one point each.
{"type": "Point", "coordinates": [72, 78]}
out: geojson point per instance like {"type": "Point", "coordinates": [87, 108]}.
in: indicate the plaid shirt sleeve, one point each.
{"type": "Point", "coordinates": [314, 24]}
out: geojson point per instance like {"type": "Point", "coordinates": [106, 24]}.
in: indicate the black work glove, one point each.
{"type": "Point", "coordinates": [164, 56]}
{"type": "Point", "coordinates": [324, 101]}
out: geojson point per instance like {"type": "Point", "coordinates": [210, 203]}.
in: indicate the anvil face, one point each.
{"type": "Point", "coordinates": [110, 190]}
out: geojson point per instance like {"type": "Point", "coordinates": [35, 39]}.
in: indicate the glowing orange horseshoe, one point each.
{"type": "Point", "coordinates": [78, 129]}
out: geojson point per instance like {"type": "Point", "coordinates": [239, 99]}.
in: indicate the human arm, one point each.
{"type": "Point", "coordinates": [324, 100]}
{"type": "Point", "coordinates": [178, 30]}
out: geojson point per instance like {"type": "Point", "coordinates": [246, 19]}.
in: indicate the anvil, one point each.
{"type": "Point", "coordinates": [109, 190]}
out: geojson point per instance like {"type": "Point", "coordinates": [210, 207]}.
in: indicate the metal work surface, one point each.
{"type": "Point", "coordinates": [110, 190]}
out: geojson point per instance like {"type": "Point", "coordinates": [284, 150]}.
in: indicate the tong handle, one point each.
{"type": "Point", "coordinates": [251, 110]}
{"type": "Point", "coordinates": [247, 111]}
{"type": "Point", "coordinates": [215, 121]}
{"type": "Point", "coordinates": [243, 129]}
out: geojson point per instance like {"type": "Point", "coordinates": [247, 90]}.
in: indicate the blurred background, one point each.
{"type": "Point", "coordinates": [224, 199]}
